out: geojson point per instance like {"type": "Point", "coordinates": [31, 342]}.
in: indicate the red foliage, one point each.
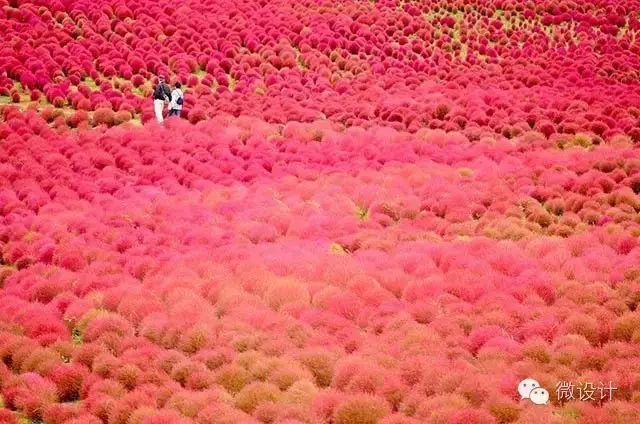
{"type": "Point", "coordinates": [60, 413]}
{"type": "Point", "coordinates": [196, 115]}
{"type": "Point", "coordinates": [68, 380]}
{"type": "Point", "coordinates": [412, 214]}
{"type": "Point", "coordinates": [472, 416]}
{"type": "Point", "coordinates": [7, 417]}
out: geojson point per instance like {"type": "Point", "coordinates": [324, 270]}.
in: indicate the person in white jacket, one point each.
{"type": "Point", "coordinates": [177, 99]}
{"type": "Point", "coordinates": [161, 94]}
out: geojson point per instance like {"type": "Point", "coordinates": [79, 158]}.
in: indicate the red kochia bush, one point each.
{"type": "Point", "coordinates": [68, 379]}
{"type": "Point", "coordinates": [69, 257]}
{"type": "Point", "coordinates": [77, 119]}
{"type": "Point", "coordinates": [7, 417]}
{"type": "Point", "coordinates": [196, 115]}
{"type": "Point", "coordinates": [110, 323]}
{"type": "Point", "coordinates": [472, 416]}
{"type": "Point", "coordinates": [29, 394]}
{"type": "Point", "coordinates": [60, 413]}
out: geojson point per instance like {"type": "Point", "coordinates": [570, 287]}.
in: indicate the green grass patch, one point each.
{"type": "Point", "coordinates": [23, 92]}
{"type": "Point", "coordinates": [464, 51]}
{"type": "Point", "coordinates": [568, 413]}
{"type": "Point", "coordinates": [119, 80]}
{"type": "Point", "coordinates": [135, 122]}
{"type": "Point", "coordinates": [363, 212]}
{"type": "Point", "coordinates": [91, 83]}
{"type": "Point", "coordinates": [138, 91]}
{"type": "Point", "coordinates": [232, 82]}
{"type": "Point", "coordinates": [430, 16]}
{"type": "Point", "coordinates": [301, 65]}
{"type": "Point", "coordinates": [25, 420]}
{"type": "Point", "coordinates": [76, 336]}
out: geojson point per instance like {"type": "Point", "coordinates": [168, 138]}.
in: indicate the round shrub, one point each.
{"type": "Point", "coordinates": [50, 114]}
{"type": "Point", "coordinates": [194, 339]}
{"type": "Point", "coordinates": [84, 104]}
{"type": "Point", "coordinates": [196, 115]}
{"type": "Point", "coordinates": [286, 292]}
{"type": "Point", "coordinates": [271, 412]}
{"type": "Point", "coordinates": [40, 360]}
{"type": "Point", "coordinates": [537, 350]}
{"type": "Point", "coordinates": [68, 378]}
{"type": "Point", "coordinates": [107, 323]}
{"type": "Point", "coordinates": [287, 373]}
{"type": "Point", "coordinates": [77, 119]}
{"type": "Point", "coordinates": [471, 416]}
{"type": "Point", "coordinates": [128, 375]}
{"type": "Point", "coordinates": [301, 393]}
{"type": "Point", "coordinates": [399, 419]}
{"type": "Point", "coordinates": [504, 410]}
{"type": "Point", "coordinates": [232, 377]}
{"type": "Point", "coordinates": [321, 364]}
{"type": "Point", "coordinates": [121, 117]}
{"type": "Point", "coordinates": [35, 95]}
{"type": "Point", "coordinates": [85, 354]}
{"type": "Point", "coordinates": [361, 409]}
{"type": "Point", "coordinates": [223, 414]}
{"type": "Point", "coordinates": [84, 419]}
{"type": "Point", "coordinates": [584, 325]}
{"type": "Point", "coordinates": [184, 369]}
{"type": "Point", "coordinates": [103, 116]}
{"type": "Point", "coordinates": [255, 394]}
{"type": "Point", "coordinates": [214, 359]}
{"type": "Point", "coordinates": [59, 413]}
{"type": "Point", "coordinates": [627, 327]}
{"type": "Point", "coordinates": [7, 417]}
{"type": "Point", "coordinates": [58, 101]}
{"type": "Point", "coordinates": [137, 80]}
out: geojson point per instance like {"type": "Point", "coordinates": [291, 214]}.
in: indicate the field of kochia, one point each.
{"type": "Point", "coordinates": [385, 212]}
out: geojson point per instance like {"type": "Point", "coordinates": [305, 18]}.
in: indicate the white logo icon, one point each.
{"type": "Point", "coordinates": [526, 386]}
{"type": "Point", "coordinates": [530, 389]}
{"type": "Point", "coordinates": [539, 396]}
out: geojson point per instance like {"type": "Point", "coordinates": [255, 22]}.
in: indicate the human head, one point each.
{"type": "Point", "coordinates": [178, 85]}
{"type": "Point", "coordinates": [161, 78]}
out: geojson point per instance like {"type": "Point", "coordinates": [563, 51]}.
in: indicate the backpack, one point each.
{"type": "Point", "coordinates": [180, 99]}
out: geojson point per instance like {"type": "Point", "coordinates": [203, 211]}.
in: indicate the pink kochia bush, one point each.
{"type": "Point", "coordinates": [373, 212]}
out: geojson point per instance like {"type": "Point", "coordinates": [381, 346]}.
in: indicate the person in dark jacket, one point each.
{"type": "Point", "coordinates": [161, 95]}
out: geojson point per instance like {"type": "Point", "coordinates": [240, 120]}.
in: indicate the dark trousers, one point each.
{"type": "Point", "coordinates": [175, 112]}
